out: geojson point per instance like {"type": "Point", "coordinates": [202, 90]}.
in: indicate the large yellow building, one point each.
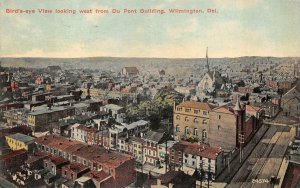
{"type": "Point", "coordinates": [191, 120]}
{"type": "Point", "coordinates": [20, 141]}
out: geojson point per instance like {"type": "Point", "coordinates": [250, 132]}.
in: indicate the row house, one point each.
{"type": "Point", "coordinates": [133, 146]}
{"type": "Point", "coordinates": [207, 159]}
{"type": "Point", "coordinates": [151, 141]}
{"type": "Point", "coordinates": [95, 157]}
{"type": "Point", "coordinates": [191, 120]}
{"type": "Point", "coordinates": [83, 133]}
{"type": "Point", "coordinates": [138, 127]}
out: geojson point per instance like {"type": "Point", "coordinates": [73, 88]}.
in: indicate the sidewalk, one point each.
{"type": "Point", "coordinates": [235, 164]}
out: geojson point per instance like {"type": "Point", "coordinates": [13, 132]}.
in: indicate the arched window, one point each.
{"type": "Point", "coordinates": [186, 119]}
{"type": "Point", "coordinates": [196, 120]}
{"type": "Point", "coordinates": [178, 117]}
{"type": "Point", "coordinates": [204, 122]}
{"type": "Point", "coordinates": [187, 130]}
{"type": "Point", "coordinates": [195, 132]}
{"type": "Point", "coordinates": [177, 128]}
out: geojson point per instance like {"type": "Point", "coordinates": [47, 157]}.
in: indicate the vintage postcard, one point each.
{"type": "Point", "coordinates": [149, 93]}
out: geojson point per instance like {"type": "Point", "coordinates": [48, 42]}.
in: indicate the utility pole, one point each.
{"type": "Point", "coordinates": [241, 142]}
{"type": "Point", "coordinates": [208, 175]}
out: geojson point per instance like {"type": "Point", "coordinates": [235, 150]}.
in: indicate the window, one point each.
{"type": "Point", "coordinates": [195, 132]}
{"type": "Point", "coordinates": [185, 161]}
{"type": "Point", "coordinates": [179, 109]}
{"type": "Point", "coordinates": [196, 120]}
{"type": "Point", "coordinates": [209, 160]}
{"type": "Point", "coordinates": [186, 119]}
{"type": "Point", "coordinates": [193, 163]}
{"type": "Point", "coordinates": [178, 117]}
{"type": "Point", "coordinates": [187, 110]}
{"type": "Point", "coordinates": [46, 165]}
{"type": "Point", "coordinates": [204, 113]}
{"type": "Point", "coordinates": [219, 116]}
{"type": "Point", "coordinates": [196, 111]}
{"type": "Point", "coordinates": [219, 126]}
{"type": "Point", "coordinates": [177, 128]}
{"type": "Point", "coordinates": [204, 122]}
{"type": "Point", "coordinates": [204, 135]}
{"type": "Point", "coordinates": [65, 172]}
{"type": "Point", "coordinates": [187, 131]}
{"type": "Point", "coordinates": [172, 157]}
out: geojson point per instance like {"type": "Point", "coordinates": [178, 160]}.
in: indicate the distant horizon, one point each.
{"type": "Point", "coordinates": [238, 29]}
{"type": "Point", "coordinates": [33, 57]}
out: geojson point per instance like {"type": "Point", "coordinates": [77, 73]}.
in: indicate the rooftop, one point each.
{"type": "Point", "coordinates": [198, 150]}
{"type": "Point", "coordinates": [22, 138]}
{"type": "Point", "coordinates": [196, 105]}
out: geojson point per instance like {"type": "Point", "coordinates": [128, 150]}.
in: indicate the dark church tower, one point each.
{"type": "Point", "coordinates": [207, 64]}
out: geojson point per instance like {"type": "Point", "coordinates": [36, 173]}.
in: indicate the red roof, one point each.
{"type": "Point", "coordinates": [198, 150]}
{"type": "Point", "coordinates": [76, 167]}
{"type": "Point", "coordinates": [57, 160]}
{"type": "Point", "coordinates": [99, 176]}
{"type": "Point", "coordinates": [13, 154]}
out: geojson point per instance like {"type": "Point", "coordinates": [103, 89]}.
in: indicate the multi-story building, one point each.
{"type": "Point", "coordinates": [231, 125]}
{"type": "Point", "coordinates": [16, 117]}
{"type": "Point", "coordinates": [41, 120]}
{"type": "Point", "coordinates": [117, 112]}
{"type": "Point", "coordinates": [197, 156]}
{"type": "Point", "coordinates": [94, 157]}
{"type": "Point", "coordinates": [191, 120]}
{"type": "Point", "coordinates": [86, 134]}
{"type": "Point", "coordinates": [20, 141]}
{"type": "Point", "coordinates": [13, 160]}
{"type": "Point", "coordinates": [163, 150]}
{"type": "Point", "coordinates": [151, 140]}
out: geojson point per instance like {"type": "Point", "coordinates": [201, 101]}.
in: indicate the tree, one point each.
{"type": "Point", "coordinates": [256, 90]}
{"type": "Point", "coordinates": [241, 84]}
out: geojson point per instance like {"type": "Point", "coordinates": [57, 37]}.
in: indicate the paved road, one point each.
{"type": "Point", "coordinates": [6, 184]}
{"type": "Point", "coordinates": [264, 161]}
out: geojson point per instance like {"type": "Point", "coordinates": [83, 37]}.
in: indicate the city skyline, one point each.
{"type": "Point", "coordinates": [256, 28]}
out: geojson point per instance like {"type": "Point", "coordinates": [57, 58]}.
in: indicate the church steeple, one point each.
{"type": "Point", "coordinates": [207, 64]}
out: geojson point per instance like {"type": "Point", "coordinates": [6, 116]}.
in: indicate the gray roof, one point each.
{"type": "Point", "coordinates": [153, 136]}
{"type": "Point", "coordinates": [22, 137]}
{"type": "Point", "coordinates": [113, 107]}
{"type": "Point", "coordinates": [136, 124]}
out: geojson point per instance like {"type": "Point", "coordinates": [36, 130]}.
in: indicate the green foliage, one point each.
{"type": "Point", "coordinates": [161, 107]}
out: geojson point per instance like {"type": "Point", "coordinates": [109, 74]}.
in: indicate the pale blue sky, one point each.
{"type": "Point", "coordinates": [241, 28]}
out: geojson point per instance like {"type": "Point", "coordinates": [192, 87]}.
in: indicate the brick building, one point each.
{"type": "Point", "coordinates": [196, 156]}
{"type": "Point", "coordinates": [94, 157]}
{"type": "Point", "coordinates": [13, 160]}
{"type": "Point", "coordinates": [228, 123]}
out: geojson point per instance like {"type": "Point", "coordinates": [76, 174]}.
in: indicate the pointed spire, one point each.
{"type": "Point", "coordinates": [237, 104]}
{"type": "Point", "coordinates": [207, 64]}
